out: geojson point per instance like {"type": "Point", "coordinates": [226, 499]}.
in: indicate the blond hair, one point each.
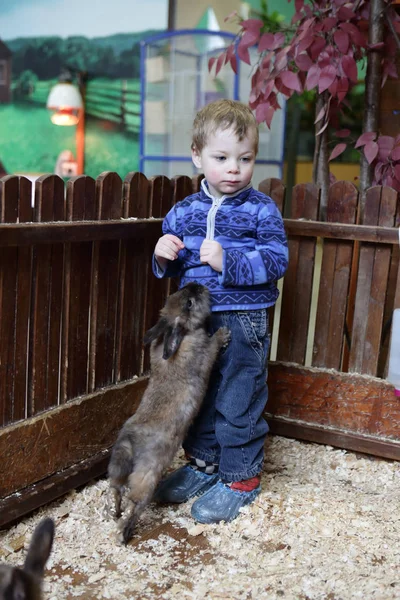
{"type": "Point", "coordinates": [223, 114]}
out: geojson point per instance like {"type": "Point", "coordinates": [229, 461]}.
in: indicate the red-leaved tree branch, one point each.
{"type": "Point", "coordinates": [320, 52]}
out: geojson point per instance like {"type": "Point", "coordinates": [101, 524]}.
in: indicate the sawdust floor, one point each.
{"type": "Point", "coordinates": [326, 526]}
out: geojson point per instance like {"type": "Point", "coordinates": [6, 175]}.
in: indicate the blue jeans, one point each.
{"type": "Point", "coordinates": [230, 429]}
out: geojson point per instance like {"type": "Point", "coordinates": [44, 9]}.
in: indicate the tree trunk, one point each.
{"type": "Point", "coordinates": [291, 151]}
{"type": "Point", "coordinates": [320, 163]}
{"type": "Point", "coordinates": [373, 81]}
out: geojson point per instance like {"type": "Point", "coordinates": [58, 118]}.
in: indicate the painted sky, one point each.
{"type": "Point", "coordinates": [91, 18]}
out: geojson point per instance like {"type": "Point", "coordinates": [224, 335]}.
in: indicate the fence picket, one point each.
{"type": "Point", "coordinates": [297, 284]}
{"type": "Point", "coordinates": [47, 288]}
{"type": "Point", "coordinates": [161, 200]}
{"type": "Point", "coordinates": [104, 292]}
{"type": "Point", "coordinates": [23, 304]}
{"type": "Point", "coordinates": [275, 189]}
{"type": "Point", "coordinates": [135, 258]}
{"type": "Point", "coordinates": [373, 271]}
{"type": "Point", "coordinates": [334, 279]}
{"type": "Point", "coordinates": [77, 281]}
{"type": "Point", "coordinates": [15, 205]}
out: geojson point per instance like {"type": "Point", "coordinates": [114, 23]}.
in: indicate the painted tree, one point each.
{"type": "Point", "coordinates": [320, 51]}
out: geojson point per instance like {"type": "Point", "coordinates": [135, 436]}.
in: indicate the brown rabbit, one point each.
{"type": "Point", "coordinates": [182, 355]}
{"type": "Point", "coordinates": [26, 583]}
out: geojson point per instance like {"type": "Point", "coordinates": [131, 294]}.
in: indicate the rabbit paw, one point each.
{"type": "Point", "coordinates": [224, 336]}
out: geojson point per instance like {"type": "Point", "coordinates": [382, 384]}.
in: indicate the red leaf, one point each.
{"type": "Point", "coordinates": [252, 25]}
{"type": "Point", "coordinates": [220, 62]}
{"type": "Point", "coordinates": [317, 47]}
{"type": "Point", "coordinates": [233, 61]}
{"type": "Point", "coordinates": [389, 182]}
{"type": "Point", "coordinates": [291, 80]}
{"type": "Point", "coordinates": [356, 36]}
{"type": "Point", "coordinates": [342, 133]}
{"type": "Point", "coordinates": [345, 14]}
{"type": "Point", "coordinates": [250, 38]}
{"type": "Point", "coordinates": [342, 88]}
{"type": "Point", "coordinates": [327, 77]}
{"type": "Point", "coordinates": [211, 62]}
{"type": "Point", "coordinates": [264, 113]}
{"type": "Point", "coordinates": [267, 88]}
{"type": "Point", "coordinates": [281, 87]}
{"type": "Point", "coordinates": [279, 39]}
{"type": "Point", "coordinates": [325, 58]}
{"type": "Point", "coordinates": [303, 61]}
{"type": "Point", "coordinates": [332, 89]}
{"type": "Point", "coordinates": [385, 144]}
{"type": "Point", "coordinates": [281, 60]}
{"type": "Point", "coordinates": [243, 53]}
{"type": "Point", "coordinates": [266, 42]}
{"type": "Point", "coordinates": [305, 43]}
{"type": "Point", "coordinates": [350, 68]}
{"type": "Point", "coordinates": [379, 169]}
{"type": "Point", "coordinates": [337, 151]}
{"type": "Point", "coordinates": [320, 115]}
{"type": "Point", "coordinates": [230, 51]}
{"type": "Point", "coordinates": [364, 138]}
{"type": "Point", "coordinates": [395, 154]}
{"type": "Point", "coordinates": [371, 151]}
{"type": "Point", "coordinates": [305, 27]}
{"type": "Point", "coordinates": [329, 23]}
{"type": "Point", "coordinates": [341, 40]}
{"type": "Point", "coordinates": [312, 77]}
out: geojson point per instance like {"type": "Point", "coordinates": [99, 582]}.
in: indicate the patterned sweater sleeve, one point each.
{"type": "Point", "coordinates": [269, 259]}
{"type": "Point", "coordinates": [173, 268]}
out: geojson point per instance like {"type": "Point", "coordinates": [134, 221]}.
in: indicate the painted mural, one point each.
{"type": "Point", "coordinates": [39, 39]}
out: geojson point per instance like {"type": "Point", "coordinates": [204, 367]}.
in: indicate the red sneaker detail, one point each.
{"type": "Point", "coordinates": [248, 485]}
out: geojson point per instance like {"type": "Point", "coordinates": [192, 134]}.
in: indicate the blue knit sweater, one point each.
{"type": "Point", "coordinates": [249, 227]}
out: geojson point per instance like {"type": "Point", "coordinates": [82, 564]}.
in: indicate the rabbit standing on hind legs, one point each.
{"type": "Point", "coordinates": [182, 355]}
{"type": "Point", "coordinates": [25, 583]}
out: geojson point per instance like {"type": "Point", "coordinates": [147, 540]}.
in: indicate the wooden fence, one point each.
{"type": "Point", "coordinates": [117, 102]}
{"type": "Point", "coordinates": [77, 294]}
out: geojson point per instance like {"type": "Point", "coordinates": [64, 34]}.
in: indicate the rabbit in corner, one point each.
{"type": "Point", "coordinates": [182, 355]}
{"type": "Point", "coordinates": [25, 583]}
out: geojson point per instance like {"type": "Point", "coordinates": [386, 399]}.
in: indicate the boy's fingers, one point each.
{"type": "Point", "coordinates": [169, 255]}
{"type": "Point", "coordinates": [174, 240]}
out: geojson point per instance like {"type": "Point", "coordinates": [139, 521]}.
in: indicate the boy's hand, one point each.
{"type": "Point", "coordinates": [211, 253]}
{"type": "Point", "coordinates": [167, 248]}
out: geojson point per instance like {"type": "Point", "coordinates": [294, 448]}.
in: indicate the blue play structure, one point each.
{"type": "Point", "coordinates": [175, 84]}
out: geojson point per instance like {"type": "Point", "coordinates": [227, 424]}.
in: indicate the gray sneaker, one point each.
{"type": "Point", "coordinates": [183, 484]}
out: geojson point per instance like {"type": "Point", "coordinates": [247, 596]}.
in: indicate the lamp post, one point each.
{"type": "Point", "coordinates": [67, 103]}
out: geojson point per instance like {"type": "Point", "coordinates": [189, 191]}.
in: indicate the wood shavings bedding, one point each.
{"type": "Point", "coordinates": [326, 526]}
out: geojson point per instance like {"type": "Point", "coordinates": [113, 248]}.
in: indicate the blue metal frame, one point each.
{"type": "Point", "coordinates": [152, 40]}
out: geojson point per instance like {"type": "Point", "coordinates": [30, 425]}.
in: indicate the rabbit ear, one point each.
{"type": "Point", "coordinates": [18, 587]}
{"type": "Point", "coordinates": [40, 548]}
{"type": "Point", "coordinates": [172, 340]}
{"type": "Point", "coordinates": [156, 331]}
